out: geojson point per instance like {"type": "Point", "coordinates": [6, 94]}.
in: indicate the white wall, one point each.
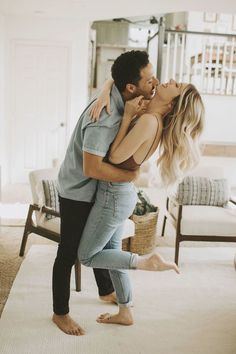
{"type": "Point", "coordinates": [71, 32]}
{"type": "Point", "coordinates": [223, 24]}
{"type": "Point", "coordinates": [76, 33]}
{"type": "Point", "coordinates": [2, 122]}
{"type": "Point", "coordinates": [220, 118]}
{"type": "Point", "coordinates": [228, 164]}
{"type": "Point", "coordinates": [176, 19]}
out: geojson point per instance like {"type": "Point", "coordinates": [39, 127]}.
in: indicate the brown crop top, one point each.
{"type": "Point", "coordinates": [130, 163]}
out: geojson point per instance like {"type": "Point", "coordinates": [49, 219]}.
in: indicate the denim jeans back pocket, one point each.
{"type": "Point", "coordinates": [109, 203]}
{"type": "Point", "coordinates": [124, 204]}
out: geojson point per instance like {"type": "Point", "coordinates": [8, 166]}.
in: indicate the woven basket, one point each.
{"type": "Point", "coordinates": [126, 244]}
{"type": "Point", "coordinates": [144, 240]}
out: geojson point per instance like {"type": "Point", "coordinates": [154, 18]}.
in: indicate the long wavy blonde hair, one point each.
{"type": "Point", "coordinates": [179, 145]}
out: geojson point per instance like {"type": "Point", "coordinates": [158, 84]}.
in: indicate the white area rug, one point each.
{"type": "Point", "coordinates": [13, 214]}
{"type": "Point", "coordinates": [191, 313]}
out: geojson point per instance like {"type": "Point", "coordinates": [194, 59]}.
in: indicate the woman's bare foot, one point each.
{"type": "Point", "coordinates": [156, 263]}
{"type": "Point", "coordinates": [124, 317]}
{"type": "Point", "coordinates": [109, 298]}
{"type": "Point", "coordinates": [67, 325]}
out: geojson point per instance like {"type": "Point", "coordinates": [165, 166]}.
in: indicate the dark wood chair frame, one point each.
{"type": "Point", "coordinates": [176, 222]}
{"type": "Point", "coordinates": [51, 235]}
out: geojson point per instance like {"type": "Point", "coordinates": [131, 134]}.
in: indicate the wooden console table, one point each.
{"type": "Point", "coordinates": [219, 149]}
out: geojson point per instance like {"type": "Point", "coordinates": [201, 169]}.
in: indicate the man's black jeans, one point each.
{"type": "Point", "coordinates": [74, 215]}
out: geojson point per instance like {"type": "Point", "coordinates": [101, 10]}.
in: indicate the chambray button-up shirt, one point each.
{"type": "Point", "coordinates": [94, 138]}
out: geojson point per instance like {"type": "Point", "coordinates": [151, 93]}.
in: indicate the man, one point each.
{"type": "Point", "coordinates": [82, 167]}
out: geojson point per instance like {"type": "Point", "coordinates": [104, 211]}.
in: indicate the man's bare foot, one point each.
{"type": "Point", "coordinates": [109, 298]}
{"type": "Point", "coordinates": [156, 263]}
{"type": "Point", "coordinates": [67, 325]}
{"type": "Point", "coordinates": [123, 317]}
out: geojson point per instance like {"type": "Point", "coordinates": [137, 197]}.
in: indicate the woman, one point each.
{"type": "Point", "coordinates": [173, 122]}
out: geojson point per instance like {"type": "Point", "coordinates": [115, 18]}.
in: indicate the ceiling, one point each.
{"type": "Point", "coordinates": [104, 9]}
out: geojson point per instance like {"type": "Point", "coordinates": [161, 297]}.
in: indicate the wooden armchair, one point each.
{"type": "Point", "coordinates": [38, 223]}
{"type": "Point", "coordinates": [201, 222]}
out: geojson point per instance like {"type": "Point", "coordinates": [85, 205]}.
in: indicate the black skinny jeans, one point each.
{"type": "Point", "coordinates": [74, 215]}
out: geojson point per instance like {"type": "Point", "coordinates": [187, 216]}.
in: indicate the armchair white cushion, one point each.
{"type": "Point", "coordinates": [206, 220]}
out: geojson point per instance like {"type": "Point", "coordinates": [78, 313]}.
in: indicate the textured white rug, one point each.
{"type": "Point", "coordinates": [13, 214]}
{"type": "Point", "coordinates": [191, 313]}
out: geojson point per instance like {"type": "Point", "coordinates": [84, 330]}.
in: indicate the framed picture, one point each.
{"type": "Point", "coordinates": [210, 16]}
{"type": "Point", "coordinates": [234, 23]}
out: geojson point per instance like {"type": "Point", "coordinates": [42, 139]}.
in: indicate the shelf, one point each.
{"type": "Point", "coordinates": [219, 149]}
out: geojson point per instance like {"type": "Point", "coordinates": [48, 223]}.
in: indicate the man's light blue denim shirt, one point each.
{"type": "Point", "coordinates": [94, 138]}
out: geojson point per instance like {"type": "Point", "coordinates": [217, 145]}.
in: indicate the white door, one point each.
{"type": "Point", "coordinates": [39, 105]}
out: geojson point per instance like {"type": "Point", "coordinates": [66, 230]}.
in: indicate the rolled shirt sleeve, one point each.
{"type": "Point", "coordinates": [97, 140]}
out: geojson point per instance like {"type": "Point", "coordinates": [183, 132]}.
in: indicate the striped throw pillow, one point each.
{"type": "Point", "coordinates": [195, 190]}
{"type": "Point", "coordinates": [51, 196]}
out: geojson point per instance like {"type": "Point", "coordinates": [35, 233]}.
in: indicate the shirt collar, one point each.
{"type": "Point", "coordinates": [117, 99]}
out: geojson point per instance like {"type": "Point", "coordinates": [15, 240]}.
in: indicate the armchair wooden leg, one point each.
{"type": "Point", "coordinates": [164, 226]}
{"type": "Point", "coordinates": [26, 231]}
{"type": "Point", "coordinates": [77, 275]}
{"type": "Point", "coordinates": [23, 242]}
{"type": "Point", "coordinates": [177, 250]}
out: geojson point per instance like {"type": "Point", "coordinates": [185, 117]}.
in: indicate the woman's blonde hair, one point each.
{"type": "Point", "coordinates": [179, 146]}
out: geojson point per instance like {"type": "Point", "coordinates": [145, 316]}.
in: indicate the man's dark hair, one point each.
{"type": "Point", "coordinates": [126, 68]}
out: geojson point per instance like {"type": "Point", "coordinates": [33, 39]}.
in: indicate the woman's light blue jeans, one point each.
{"type": "Point", "coordinates": [100, 245]}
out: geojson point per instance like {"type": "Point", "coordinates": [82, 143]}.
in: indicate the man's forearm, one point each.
{"type": "Point", "coordinates": [110, 173]}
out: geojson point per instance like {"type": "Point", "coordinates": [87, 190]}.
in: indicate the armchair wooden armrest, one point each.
{"type": "Point", "coordinates": [50, 211]}
{"type": "Point", "coordinates": [174, 219]}
{"type": "Point", "coordinates": [44, 209]}
{"type": "Point", "coordinates": [233, 200]}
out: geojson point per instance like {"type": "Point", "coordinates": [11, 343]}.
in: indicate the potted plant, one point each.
{"type": "Point", "coordinates": [143, 205]}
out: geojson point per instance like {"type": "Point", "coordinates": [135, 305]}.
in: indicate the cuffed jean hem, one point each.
{"type": "Point", "coordinates": [128, 304]}
{"type": "Point", "coordinates": [134, 261]}
{"type": "Point", "coordinates": [61, 312]}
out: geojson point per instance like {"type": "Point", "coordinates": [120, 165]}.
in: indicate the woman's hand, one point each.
{"type": "Point", "coordinates": [144, 107]}
{"type": "Point", "coordinates": [102, 101]}
{"type": "Point", "coordinates": [134, 108]}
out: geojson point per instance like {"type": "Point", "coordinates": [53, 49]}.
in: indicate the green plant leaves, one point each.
{"type": "Point", "coordinates": [143, 205]}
